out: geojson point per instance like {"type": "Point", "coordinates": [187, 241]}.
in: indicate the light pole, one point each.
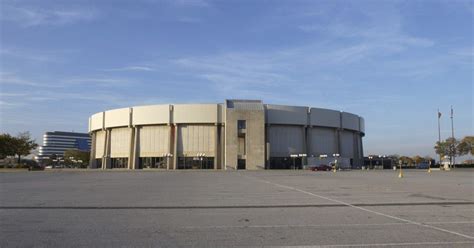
{"type": "Point", "coordinates": [370, 159]}
{"type": "Point", "coordinates": [335, 155]}
{"type": "Point", "coordinates": [400, 175]}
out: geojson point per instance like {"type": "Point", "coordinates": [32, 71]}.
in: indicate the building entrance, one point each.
{"type": "Point", "coordinates": [241, 164]}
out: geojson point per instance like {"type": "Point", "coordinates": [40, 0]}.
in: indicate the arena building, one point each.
{"type": "Point", "coordinates": [238, 134]}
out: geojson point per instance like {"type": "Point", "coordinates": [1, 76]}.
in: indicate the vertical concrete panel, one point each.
{"type": "Point", "coordinates": [194, 139]}
{"type": "Point", "coordinates": [286, 140]}
{"type": "Point", "coordinates": [106, 163]}
{"type": "Point", "coordinates": [154, 141]}
{"type": "Point", "coordinates": [100, 144]}
{"type": "Point", "coordinates": [254, 115]}
{"type": "Point", "coordinates": [175, 134]}
{"type": "Point", "coordinates": [120, 142]}
{"type": "Point", "coordinates": [136, 147]}
{"type": "Point", "coordinates": [92, 161]}
{"type": "Point", "coordinates": [323, 141]}
{"type": "Point", "coordinates": [347, 145]}
{"type": "Point", "coordinates": [131, 154]}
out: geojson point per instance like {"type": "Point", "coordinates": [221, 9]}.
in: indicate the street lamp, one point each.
{"type": "Point", "coordinates": [370, 159]}
{"type": "Point", "coordinates": [335, 155]}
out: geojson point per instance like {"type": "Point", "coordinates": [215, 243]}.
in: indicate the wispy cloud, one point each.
{"type": "Point", "coordinates": [192, 3]}
{"type": "Point", "coordinates": [131, 68]}
{"type": "Point", "coordinates": [28, 55]}
{"type": "Point", "coordinates": [99, 81]}
{"type": "Point", "coordinates": [13, 79]}
{"type": "Point", "coordinates": [36, 16]}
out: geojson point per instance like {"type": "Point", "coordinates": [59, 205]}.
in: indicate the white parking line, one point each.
{"type": "Point", "coordinates": [363, 209]}
{"type": "Point", "coordinates": [382, 244]}
{"type": "Point", "coordinates": [329, 225]}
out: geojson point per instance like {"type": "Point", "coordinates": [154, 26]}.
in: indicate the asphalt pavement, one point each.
{"type": "Point", "coordinates": [237, 208]}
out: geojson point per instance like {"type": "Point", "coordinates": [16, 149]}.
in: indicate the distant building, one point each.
{"type": "Point", "coordinates": [55, 143]}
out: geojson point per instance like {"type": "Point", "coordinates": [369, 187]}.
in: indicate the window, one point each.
{"type": "Point", "coordinates": [119, 163]}
{"type": "Point", "coordinates": [152, 163]}
{"type": "Point", "coordinates": [241, 124]}
{"type": "Point", "coordinates": [195, 163]}
{"type": "Point", "coordinates": [98, 163]}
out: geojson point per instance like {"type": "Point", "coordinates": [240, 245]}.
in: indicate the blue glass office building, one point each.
{"type": "Point", "coordinates": [57, 142]}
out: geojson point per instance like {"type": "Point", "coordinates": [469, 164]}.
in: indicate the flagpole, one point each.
{"type": "Point", "coordinates": [439, 135]}
{"type": "Point", "coordinates": [452, 135]}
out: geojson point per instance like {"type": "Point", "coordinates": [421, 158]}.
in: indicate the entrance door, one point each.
{"type": "Point", "coordinates": [241, 164]}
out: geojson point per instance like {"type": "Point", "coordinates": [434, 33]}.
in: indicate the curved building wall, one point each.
{"type": "Point", "coordinates": [239, 134]}
{"type": "Point", "coordinates": [322, 140]}
{"type": "Point", "coordinates": [286, 140]}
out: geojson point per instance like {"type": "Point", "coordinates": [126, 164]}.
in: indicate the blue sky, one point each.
{"type": "Point", "coordinates": [392, 62]}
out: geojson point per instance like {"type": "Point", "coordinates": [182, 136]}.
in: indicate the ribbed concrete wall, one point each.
{"type": "Point", "coordinates": [153, 141]}
{"type": "Point", "coordinates": [194, 139]}
{"type": "Point", "coordinates": [120, 142]}
{"type": "Point", "coordinates": [286, 140]}
{"type": "Point", "coordinates": [189, 129]}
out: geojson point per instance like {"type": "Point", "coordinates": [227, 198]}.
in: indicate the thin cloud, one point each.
{"type": "Point", "coordinates": [132, 68]}
{"type": "Point", "coordinates": [35, 16]}
{"type": "Point", "coordinates": [192, 3]}
{"type": "Point", "coordinates": [12, 79]}
{"type": "Point", "coordinates": [98, 81]}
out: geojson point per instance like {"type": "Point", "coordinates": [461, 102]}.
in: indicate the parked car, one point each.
{"type": "Point", "coordinates": [423, 165]}
{"type": "Point", "coordinates": [35, 168]}
{"type": "Point", "coordinates": [321, 167]}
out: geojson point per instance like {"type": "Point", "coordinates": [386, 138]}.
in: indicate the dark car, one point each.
{"type": "Point", "coordinates": [423, 165]}
{"type": "Point", "coordinates": [35, 168]}
{"type": "Point", "coordinates": [321, 167]}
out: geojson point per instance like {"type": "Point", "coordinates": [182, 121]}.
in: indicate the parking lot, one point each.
{"type": "Point", "coordinates": [237, 208]}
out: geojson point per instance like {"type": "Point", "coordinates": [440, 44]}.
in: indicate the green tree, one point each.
{"type": "Point", "coordinates": [7, 145]}
{"type": "Point", "coordinates": [417, 159]}
{"type": "Point", "coordinates": [23, 144]}
{"type": "Point", "coordinates": [406, 160]}
{"type": "Point", "coordinates": [466, 146]}
{"type": "Point", "coordinates": [447, 147]}
{"type": "Point", "coordinates": [74, 156]}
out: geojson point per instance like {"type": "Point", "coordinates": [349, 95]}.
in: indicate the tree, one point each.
{"type": "Point", "coordinates": [23, 144]}
{"type": "Point", "coordinates": [406, 160]}
{"type": "Point", "coordinates": [72, 155]}
{"type": "Point", "coordinates": [466, 146]}
{"type": "Point", "coordinates": [447, 147]}
{"type": "Point", "coordinates": [7, 145]}
{"type": "Point", "coordinates": [417, 159]}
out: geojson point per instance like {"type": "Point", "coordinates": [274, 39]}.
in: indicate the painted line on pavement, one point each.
{"type": "Point", "coordinates": [361, 208]}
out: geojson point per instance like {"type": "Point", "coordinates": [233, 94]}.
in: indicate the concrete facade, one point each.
{"type": "Point", "coordinates": [238, 134]}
